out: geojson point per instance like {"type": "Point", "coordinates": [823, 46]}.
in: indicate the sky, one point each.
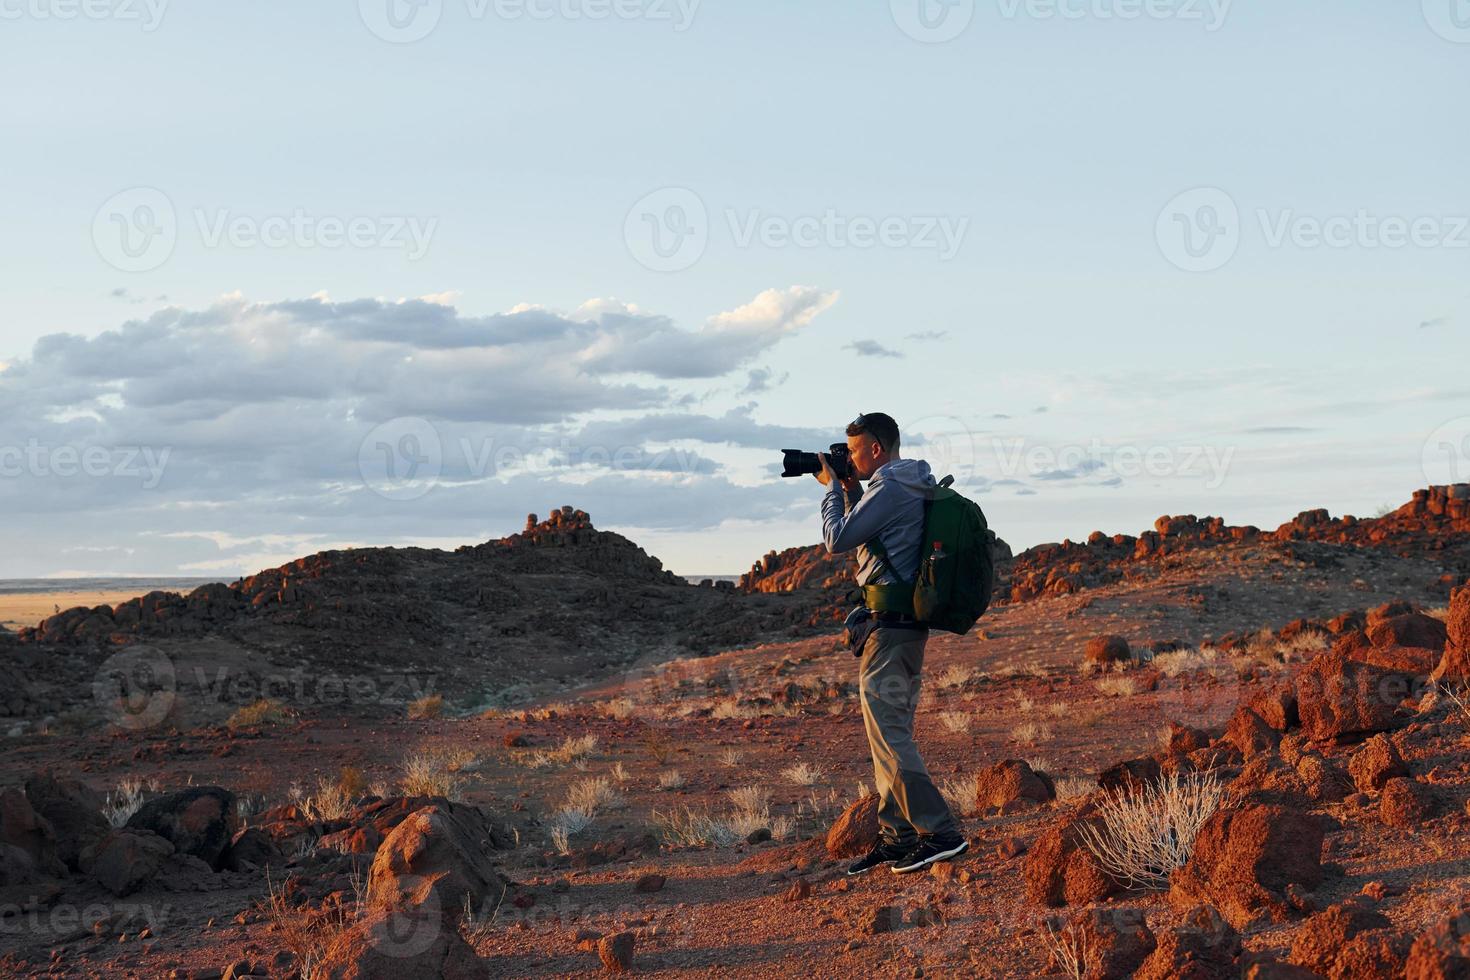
{"type": "Point", "coordinates": [280, 277]}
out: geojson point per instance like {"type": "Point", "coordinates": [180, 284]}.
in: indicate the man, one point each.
{"type": "Point", "coordinates": [886, 526]}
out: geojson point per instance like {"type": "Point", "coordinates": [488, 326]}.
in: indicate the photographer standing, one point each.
{"type": "Point", "coordinates": [886, 526]}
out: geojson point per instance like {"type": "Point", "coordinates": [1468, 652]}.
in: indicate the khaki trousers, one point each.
{"type": "Point", "coordinates": [889, 677]}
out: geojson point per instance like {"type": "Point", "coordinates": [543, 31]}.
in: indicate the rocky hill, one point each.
{"type": "Point", "coordinates": [1434, 525]}
{"type": "Point", "coordinates": [560, 602]}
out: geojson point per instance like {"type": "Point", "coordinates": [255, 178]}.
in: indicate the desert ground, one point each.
{"type": "Point", "coordinates": [1203, 751]}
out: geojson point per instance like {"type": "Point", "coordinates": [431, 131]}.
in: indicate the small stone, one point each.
{"type": "Point", "coordinates": [616, 952]}
{"type": "Point", "coordinates": [650, 883]}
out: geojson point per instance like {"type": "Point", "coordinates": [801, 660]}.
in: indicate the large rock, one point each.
{"type": "Point", "coordinates": [1106, 650]}
{"type": "Point", "coordinates": [1130, 775]}
{"type": "Point", "coordinates": [23, 886]}
{"type": "Point", "coordinates": [199, 821]}
{"type": "Point", "coordinates": [1322, 937]}
{"type": "Point", "coordinates": [1455, 666]}
{"type": "Point", "coordinates": [401, 944]}
{"type": "Point", "coordinates": [1250, 733]}
{"type": "Point", "coordinates": [1012, 781]}
{"type": "Point", "coordinates": [1375, 763]}
{"type": "Point", "coordinates": [74, 811]}
{"type": "Point", "coordinates": [1406, 802]}
{"type": "Point", "coordinates": [1060, 870]}
{"type": "Point", "coordinates": [1443, 951]}
{"type": "Point", "coordinates": [1413, 629]}
{"type": "Point", "coordinates": [253, 849]}
{"type": "Point", "coordinates": [1245, 857]}
{"type": "Point", "coordinates": [125, 860]}
{"type": "Point", "coordinates": [1204, 947]}
{"type": "Point", "coordinates": [437, 858]}
{"type": "Point", "coordinates": [1111, 942]}
{"type": "Point", "coordinates": [26, 830]}
{"type": "Point", "coordinates": [856, 831]}
{"type": "Point", "coordinates": [1340, 698]}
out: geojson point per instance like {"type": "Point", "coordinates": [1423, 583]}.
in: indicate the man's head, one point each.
{"type": "Point", "coordinates": [872, 440]}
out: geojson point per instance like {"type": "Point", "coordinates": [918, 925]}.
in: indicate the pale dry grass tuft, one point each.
{"type": "Point", "coordinates": [1071, 788]}
{"type": "Point", "coordinates": [1118, 687]}
{"type": "Point", "coordinates": [258, 714]}
{"type": "Point", "coordinates": [123, 802]}
{"type": "Point", "coordinates": [957, 722]}
{"type": "Point", "coordinates": [426, 708]}
{"type": "Point", "coordinates": [1030, 732]}
{"type": "Point", "coordinates": [329, 802]}
{"type": "Point", "coordinates": [961, 793]}
{"type": "Point", "coordinates": [432, 774]}
{"type": "Point", "coordinates": [671, 779]}
{"type": "Point", "coordinates": [803, 774]}
{"type": "Point", "coordinates": [730, 758]}
{"type": "Point", "coordinates": [1145, 835]}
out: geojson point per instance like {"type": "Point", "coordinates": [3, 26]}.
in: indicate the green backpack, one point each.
{"type": "Point", "coordinates": [956, 569]}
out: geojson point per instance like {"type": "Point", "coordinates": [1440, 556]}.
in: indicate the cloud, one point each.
{"type": "Point", "coordinates": [1438, 321]}
{"type": "Point", "coordinates": [653, 345]}
{"type": "Point", "coordinates": [922, 335]}
{"type": "Point", "coordinates": [762, 379]}
{"type": "Point", "coordinates": [256, 422]}
{"type": "Point", "coordinates": [870, 348]}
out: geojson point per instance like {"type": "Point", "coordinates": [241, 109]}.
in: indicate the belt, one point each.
{"type": "Point", "coordinates": [893, 620]}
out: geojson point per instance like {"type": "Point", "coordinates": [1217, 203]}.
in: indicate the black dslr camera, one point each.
{"type": "Point", "coordinates": [798, 463]}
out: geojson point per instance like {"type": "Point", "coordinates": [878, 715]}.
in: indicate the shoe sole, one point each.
{"type": "Point", "coordinates": [964, 846]}
{"type": "Point", "coordinates": [859, 874]}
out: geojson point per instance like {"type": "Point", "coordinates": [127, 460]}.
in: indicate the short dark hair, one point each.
{"type": "Point", "coordinates": [879, 426]}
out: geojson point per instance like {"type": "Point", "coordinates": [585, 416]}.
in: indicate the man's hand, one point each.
{"type": "Point", "coordinates": [825, 477]}
{"type": "Point", "coordinates": [848, 483]}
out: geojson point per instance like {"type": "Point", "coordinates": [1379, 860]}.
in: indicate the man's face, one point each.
{"type": "Point", "coordinates": [866, 454]}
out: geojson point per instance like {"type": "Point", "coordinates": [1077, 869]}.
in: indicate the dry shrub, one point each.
{"type": "Point", "coordinates": [957, 722]}
{"type": "Point", "coordinates": [307, 931]}
{"type": "Point", "coordinates": [1118, 687]}
{"type": "Point", "coordinates": [1145, 835]}
{"type": "Point", "coordinates": [330, 801]}
{"type": "Point", "coordinates": [123, 802]}
{"type": "Point", "coordinates": [435, 772]}
{"type": "Point", "coordinates": [1030, 732]}
{"type": "Point", "coordinates": [426, 708]}
{"type": "Point", "coordinates": [259, 714]}
{"type": "Point", "coordinates": [803, 774]}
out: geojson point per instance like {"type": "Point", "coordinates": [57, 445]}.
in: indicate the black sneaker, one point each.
{"type": "Point", "coordinates": [930, 850]}
{"type": "Point", "coordinates": [884, 852]}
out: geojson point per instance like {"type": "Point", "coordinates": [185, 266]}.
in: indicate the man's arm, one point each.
{"type": "Point", "coordinates": [850, 521]}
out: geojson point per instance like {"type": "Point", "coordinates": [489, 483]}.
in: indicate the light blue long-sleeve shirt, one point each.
{"type": "Point", "coordinates": [892, 510]}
